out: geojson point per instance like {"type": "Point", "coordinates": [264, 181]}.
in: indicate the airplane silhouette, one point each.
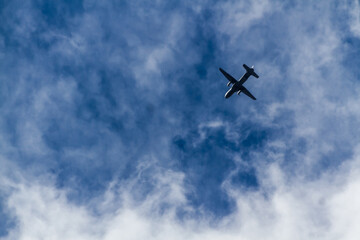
{"type": "Point", "coordinates": [238, 85]}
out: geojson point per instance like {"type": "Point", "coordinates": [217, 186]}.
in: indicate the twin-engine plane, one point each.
{"type": "Point", "coordinates": [237, 86]}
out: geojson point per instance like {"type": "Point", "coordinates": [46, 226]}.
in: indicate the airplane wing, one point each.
{"type": "Point", "coordinates": [244, 90]}
{"type": "Point", "coordinates": [228, 76]}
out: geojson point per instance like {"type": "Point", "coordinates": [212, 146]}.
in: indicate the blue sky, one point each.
{"type": "Point", "coordinates": [114, 124]}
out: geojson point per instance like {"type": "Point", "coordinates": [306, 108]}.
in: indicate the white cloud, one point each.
{"type": "Point", "coordinates": [286, 205]}
{"type": "Point", "coordinates": [326, 208]}
{"type": "Point", "coordinates": [238, 16]}
{"type": "Point", "coordinates": [354, 9]}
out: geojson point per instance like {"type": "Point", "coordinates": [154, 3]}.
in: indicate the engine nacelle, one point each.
{"type": "Point", "coordinates": [238, 92]}
{"type": "Point", "coordinates": [229, 83]}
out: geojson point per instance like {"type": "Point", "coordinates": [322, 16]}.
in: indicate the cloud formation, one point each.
{"type": "Point", "coordinates": [322, 209]}
{"type": "Point", "coordinates": [113, 122]}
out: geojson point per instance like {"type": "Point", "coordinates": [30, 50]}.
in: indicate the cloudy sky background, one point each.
{"type": "Point", "coordinates": [114, 124]}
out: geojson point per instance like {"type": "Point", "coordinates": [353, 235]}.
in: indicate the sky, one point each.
{"type": "Point", "coordinates": [114, 125]}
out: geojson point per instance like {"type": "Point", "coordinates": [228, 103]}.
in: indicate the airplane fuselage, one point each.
{"type": "Point", "coordinates": [236, 87]}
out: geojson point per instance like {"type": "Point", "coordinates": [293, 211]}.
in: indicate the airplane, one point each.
{"type": "Point", "coordinates": [238, 85]}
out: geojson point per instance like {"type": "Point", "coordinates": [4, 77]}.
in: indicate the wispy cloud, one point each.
{"type": "Point", "coordinates": [321, 209]}
{"type": "Point", "coordinates": [354, 9]}
{"type": "Point", "coordinates": [113, 122]}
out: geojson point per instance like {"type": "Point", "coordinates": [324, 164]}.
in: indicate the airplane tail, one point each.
{"type": "Point", "coordinates": [250, 70]}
